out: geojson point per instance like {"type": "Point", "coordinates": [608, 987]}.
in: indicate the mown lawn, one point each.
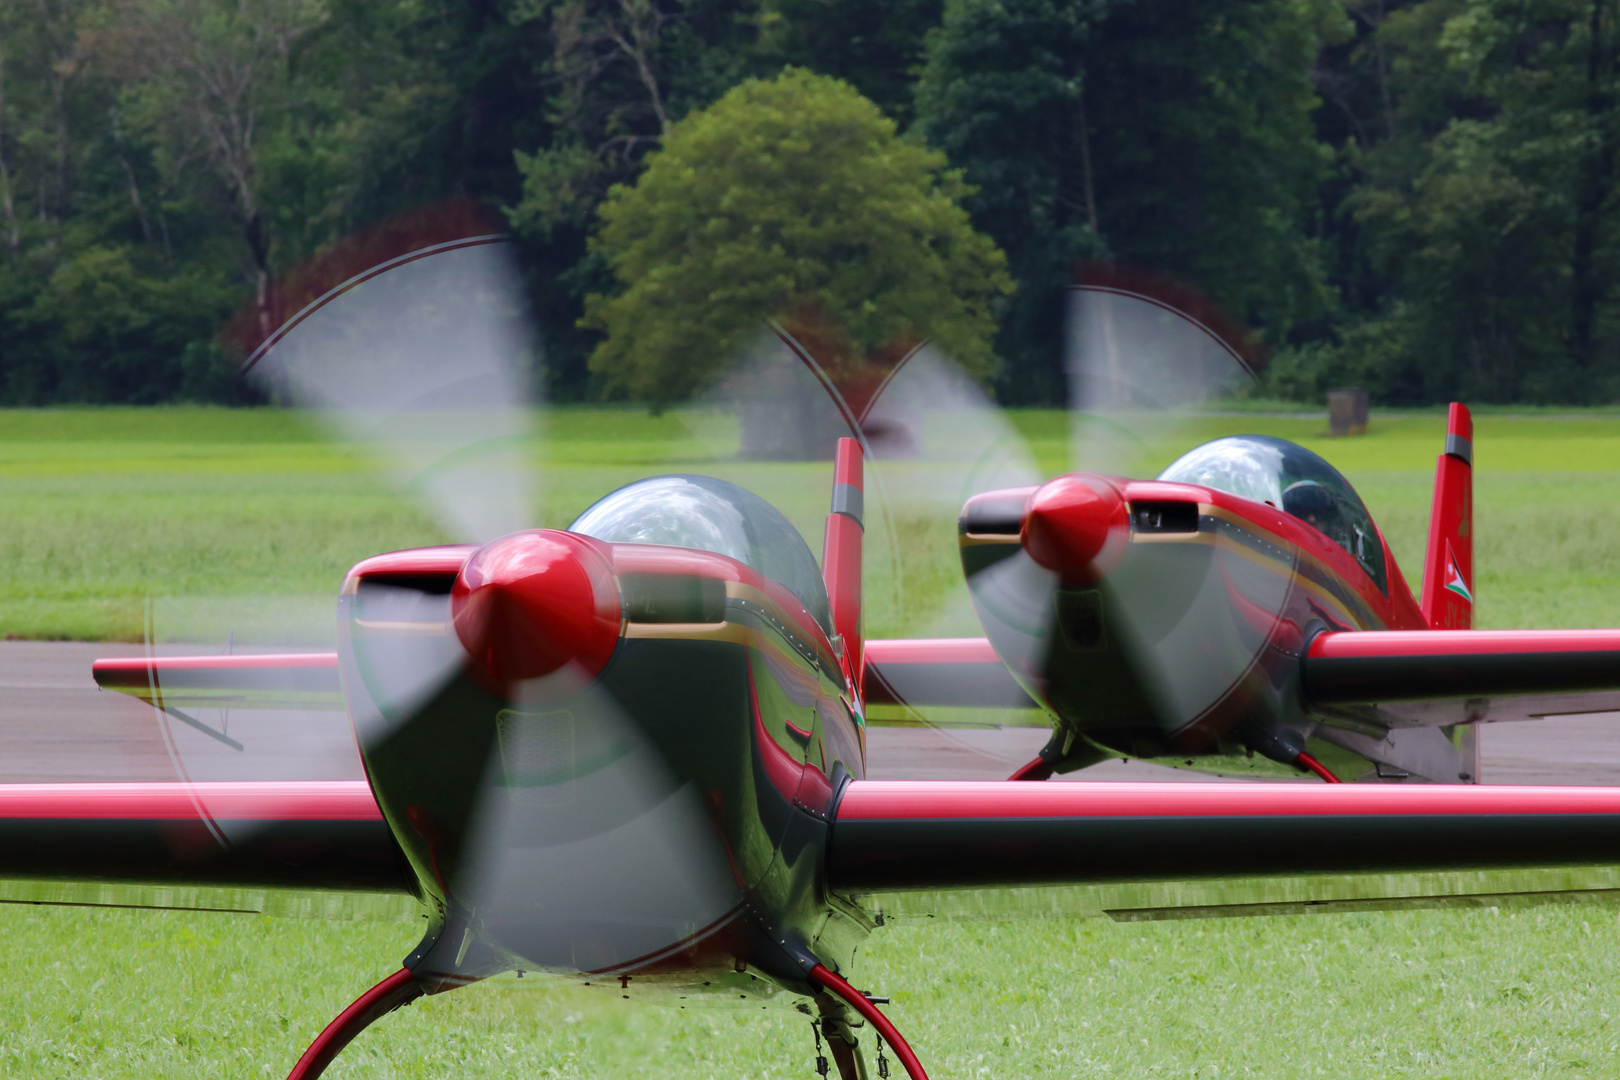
{"type": "Point", "coordinates": [245, 520]}
{"type": "Point", "coordinates": [1534, 993]}
{"type": "Point", "coordinates": [101, 509]}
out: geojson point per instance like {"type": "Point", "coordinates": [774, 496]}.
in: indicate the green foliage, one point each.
{"type": "Point", "coordinates": [878, 48]}
{"type": "Point", "coordinates": [1175, 136]}
{"type": "Point", "coordinates": [558, 189]}
{"type": "Point", "coordinates": [1419, 196]}
{"type": "Point", "coordinates": [1002, 96]}
{"type": "Point", "coordinates": [1483, 204]}
{"type": "Point", "coordinates": [792, 199]}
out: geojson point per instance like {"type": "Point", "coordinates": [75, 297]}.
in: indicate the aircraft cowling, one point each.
{"type": "Point", "coordinates": [575, 804]}
{"type": "Point", "coordinates": [1144, 616]}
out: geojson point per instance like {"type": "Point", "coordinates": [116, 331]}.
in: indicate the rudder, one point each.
{"type": "Point", "coordinates": [841, 551]}
{"type": "Point", "coordinates": [1448, 569]}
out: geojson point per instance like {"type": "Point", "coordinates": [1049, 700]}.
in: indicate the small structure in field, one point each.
{"type": "Point", "coordinates": [1347, 412]}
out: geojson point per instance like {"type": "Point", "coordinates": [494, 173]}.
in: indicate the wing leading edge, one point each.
{"type": "Point", "coordinates": [982, 846]}
{"type": "Point", "coordinates": [1464, 676]}
{"type": "Point", "coordinates": [316, 836]}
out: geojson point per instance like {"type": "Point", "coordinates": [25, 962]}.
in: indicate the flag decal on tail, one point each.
{"type": "Point", "coordinates": [1454, 580]}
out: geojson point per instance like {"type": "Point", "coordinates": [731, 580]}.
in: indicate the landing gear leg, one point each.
{"type": "Point", "coordinates": [842, 1045]}
{"type": "Point", "coordinates": [856, 1000]}
{"type": "Point", "coordinates": [400, 988]}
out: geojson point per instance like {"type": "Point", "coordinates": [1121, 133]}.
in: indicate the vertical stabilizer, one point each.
{"type": "Point", "coordinates": [841, 553]}
{"type": "Point", "coordinates": [1448, 571]}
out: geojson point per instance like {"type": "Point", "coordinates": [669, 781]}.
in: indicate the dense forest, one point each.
{"type": "Point", "coordinates": [1417, 197]}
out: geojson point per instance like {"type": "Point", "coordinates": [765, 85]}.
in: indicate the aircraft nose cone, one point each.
{"type": "Point", "coordinates": [1076, 526]}
{"type": "Point", "coordinates": [531, 603]}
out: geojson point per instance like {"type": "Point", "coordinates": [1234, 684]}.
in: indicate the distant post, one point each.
{"type": "Point", "coordinates": [1347, 412]}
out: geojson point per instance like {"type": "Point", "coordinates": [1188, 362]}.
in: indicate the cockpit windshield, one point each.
{"type": "Point", "coordinates": [1292, 478]}
{"type": "Point", "coordinates": [711, 515]}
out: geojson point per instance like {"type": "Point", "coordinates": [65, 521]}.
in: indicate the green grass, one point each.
{"type": "Point", "coordinates": [1530, 993]}
{"type": "Point", "coordinates": [245, 520]}
{"type": "Point", "coordinates": [100, 509]}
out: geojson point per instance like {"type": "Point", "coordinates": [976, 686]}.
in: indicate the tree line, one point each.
{"type": "Point", "coordinates": [1414, 196]}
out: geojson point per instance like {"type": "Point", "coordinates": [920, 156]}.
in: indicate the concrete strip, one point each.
{"type": "Point", "coordinates": [56, 725]}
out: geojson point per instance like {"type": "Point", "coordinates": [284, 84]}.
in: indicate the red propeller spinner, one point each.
{"type": "Point", "coordinates": [532, 603]}
{"type": "Point", "coordinates": [1076, 525]}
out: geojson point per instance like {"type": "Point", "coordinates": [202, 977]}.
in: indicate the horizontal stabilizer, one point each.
{"type": "Point", "coordinates": [1457, 676]}
{"type": "Point", "coordinates": [962, 672]}
{"type": "Point", "coordinates": [278, 681]}
{"type": "Point", "coordinates": [898, 835]}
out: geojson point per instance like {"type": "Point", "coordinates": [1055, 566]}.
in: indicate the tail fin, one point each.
{"type": "Point", "coordinates": [1448, 572]}
{"type": "Point", "coordinates": [841, 552]}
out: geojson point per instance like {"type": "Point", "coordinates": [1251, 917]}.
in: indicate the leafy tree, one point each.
{"type": "Point", "coordinates": [792, 198]}
{"type": "Point", "coordinates": [1484, 207]}
{"type": "Point", "coordinates": [204, 80]}
{"type": "Point", "coordinates": [1175, 135]}
{"type": "Point", "coordinates": [1003, 96]}
{"type": "Point", "coordinates": [616, 74]}
{"type": "Point", "coordinates": [877, 48]}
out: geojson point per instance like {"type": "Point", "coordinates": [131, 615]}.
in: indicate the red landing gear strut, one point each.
{"type": "Point", "coordinates": [857, 1000]}
{"type": "Point", "coordinates": [400, 988]}
{"type": "Point", "coordinates": [1038, 769]}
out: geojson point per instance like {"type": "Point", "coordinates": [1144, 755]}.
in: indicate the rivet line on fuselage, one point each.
{"type": "Point", "coordinates": [801, 647]}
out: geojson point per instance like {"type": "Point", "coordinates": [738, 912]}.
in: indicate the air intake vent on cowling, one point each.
{"type": "Point", "coordinates": [993, 517]}
{"type": "Point", "coordinates": [1164, 517]}
{"type": "Point", "coordinates": [672, 598]}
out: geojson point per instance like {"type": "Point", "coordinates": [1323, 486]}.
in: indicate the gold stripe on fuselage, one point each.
{"type": "Point", "coordinates": [1310, 574]}
{"type": "Point", "coordinates": [737, 632]}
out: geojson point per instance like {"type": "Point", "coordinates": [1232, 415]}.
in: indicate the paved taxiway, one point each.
{"type": "Point", "coordinates": [55, 724]}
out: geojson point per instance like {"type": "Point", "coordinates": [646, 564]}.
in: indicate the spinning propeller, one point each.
{"type": "Point", "coordinates": [563, 800]}
{"type": "Point", "coordinates": [537, 709]}
{"type": "Point", "coordinates": [1067, 577]}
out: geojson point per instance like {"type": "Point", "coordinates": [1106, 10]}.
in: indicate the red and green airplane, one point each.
{"type": "Point", "coordinates": [633, 752]}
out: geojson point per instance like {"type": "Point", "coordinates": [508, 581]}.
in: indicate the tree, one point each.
{"type": "Point", "coordinates": [1003, 96]}
{"type": "Point", "coordinates": [100, 298]}
{"type": "Point", "coordinates": [878, 48]}
{"type": "Point", "coordinates": [615, 74]}
{"type": "Point", "coordinates": [1486, 208]}
{"type": "Point", "coordinates": [205, 79]}
{"type": "Point", "coordinates": [1173, 135]}
{"type": "Point", "coordinates": [792, 198]}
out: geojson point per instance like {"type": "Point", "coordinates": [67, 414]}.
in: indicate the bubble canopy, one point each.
{"type": "Point", "coordinates": [711, 515]}
{"type": "Point", "coordinates": [1290, 477]}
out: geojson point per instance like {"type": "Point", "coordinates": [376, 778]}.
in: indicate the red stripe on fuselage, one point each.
{"type": "Point", "coordinates": [282, 800]}
{"type": "Point", "coordinates": [873, 800]}
{"type": "Point", "coordinates": [1320, 559]}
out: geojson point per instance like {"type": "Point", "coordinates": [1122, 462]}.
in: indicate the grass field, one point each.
{"type": "Point", "coordinates": [251, 517]}
{"type": "Point", "coordinates": [101, 509]}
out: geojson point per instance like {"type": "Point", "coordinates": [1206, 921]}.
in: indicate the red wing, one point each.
{"type": "Point", "coordinates": [892, 841]}
{"type": "Point", "coordinates": [277, 681]}
{"type": "Point", "coordinates": [1457, 676]}
{"type": "Point", "coordinates": [940, 671]}
{"type": "Point", "coordinates": [193, 844]}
